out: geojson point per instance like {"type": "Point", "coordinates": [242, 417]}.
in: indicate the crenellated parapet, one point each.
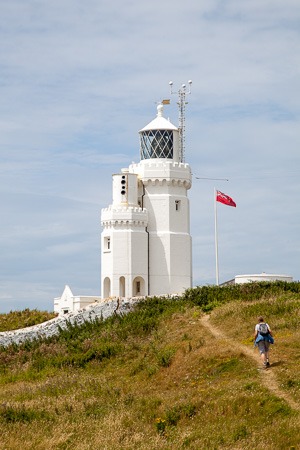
{"type": "Point", "coordinates": [167, 182]}
{"type": "Point", "coordinates": [156, 163]}
{"type": "Point", "coordinates": [123, 209]}
{"type": "Point", "coordinates": [124, 217]}
{"type": "Point", "coordinates": [163, 172]}
{"type": "Point", "coordinates": [123, 224]}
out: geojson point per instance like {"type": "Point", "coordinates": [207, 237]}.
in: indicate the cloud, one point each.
{"type": "Point", "coordinates": [78, 80]}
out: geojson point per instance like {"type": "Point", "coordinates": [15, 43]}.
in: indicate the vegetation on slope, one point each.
{"type": "Point", "coordinates": [22, 319]}
{"type": "Point", "coordinates": [155, 378]}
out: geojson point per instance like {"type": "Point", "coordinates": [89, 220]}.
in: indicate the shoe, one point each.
{"type": "Point", "coordinates": [268, 364]}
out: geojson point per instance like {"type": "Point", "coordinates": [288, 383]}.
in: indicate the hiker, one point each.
{"type": "Point", "coordinates": [263, 338]}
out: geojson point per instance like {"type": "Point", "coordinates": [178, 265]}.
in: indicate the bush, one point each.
{"type": "Point", "coordinates": [209, 297]}
{"type": "Point", "coordinates": [165, 356]}
{"type": "Point", "coordinates": [22, 319]}
{"type": "Point", "coordinates": [10, 414]}
{"type": "Point", "coordinates": [172, 416]}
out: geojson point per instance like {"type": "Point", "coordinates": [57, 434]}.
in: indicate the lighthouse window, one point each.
{"type": "Point", "coordinates": [138, 287]}
{"type": "Point", "coordinates": [106, 243]}
{"type": "Point", "coordinates": [123, 185]}
{"type": "Point", "coordinates": [177, 205]}
{"type": "Point", "coordinates": [156, 144]}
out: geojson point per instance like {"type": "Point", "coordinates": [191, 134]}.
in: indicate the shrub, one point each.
{"type": "Point", "coordinates": [173, 416]}
{"type": "Point", "coordinates": [10, 414]}
{"type": "Point", "coordinates": [189, 410]}
{"type": "Point", "coordinates": [240, 433]}
{"type": "Point", "coordinates": [165, 356]}
{"type": "Point", "coordinates": [22, 319]}
{"type": "Point", "coordinates": [209, 297]}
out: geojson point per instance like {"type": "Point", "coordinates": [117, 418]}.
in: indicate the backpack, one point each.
{"type": "Point", "coordinates": [263, 329]}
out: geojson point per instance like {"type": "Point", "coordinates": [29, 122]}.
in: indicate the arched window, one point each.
{"type": "Point", "coordinates": [122, 287]}
{"type": "Point", "coordinates": [106, 287]}
{"type": "Point", "coordinates": [138, 288]}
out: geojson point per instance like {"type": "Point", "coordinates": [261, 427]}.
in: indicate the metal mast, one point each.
{"type": "Point", "coordinates": [182, 92]}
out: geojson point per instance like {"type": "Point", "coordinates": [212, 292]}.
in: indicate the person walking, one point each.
{"type": "Point", "coordinates": [263, 338]}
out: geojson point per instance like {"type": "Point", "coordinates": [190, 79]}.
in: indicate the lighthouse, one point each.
{"type": "Point", "coordinates": [146, 246]}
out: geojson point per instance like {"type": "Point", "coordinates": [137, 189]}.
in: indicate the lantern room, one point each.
{"type": "Point", "coordinates": [160, 138]}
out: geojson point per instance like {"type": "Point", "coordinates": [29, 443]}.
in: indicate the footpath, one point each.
{"type": "Point", "coordinates": [268, 377]}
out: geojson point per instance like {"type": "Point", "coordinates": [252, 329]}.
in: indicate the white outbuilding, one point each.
{"type": "Point", "coordinates": [241, 279]}
{"type": "Point", "coordinates": [68, 302]}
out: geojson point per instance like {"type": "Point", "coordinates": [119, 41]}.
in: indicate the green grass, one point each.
{"type": "Point", "coordinates": [155, 378]}
{"type": "Point", "coordinates": [22, 319]}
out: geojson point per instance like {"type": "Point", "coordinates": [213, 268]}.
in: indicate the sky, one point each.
{"type": "Point", "coordinates": [78, 80]}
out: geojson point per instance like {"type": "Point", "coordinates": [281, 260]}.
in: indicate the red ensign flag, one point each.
{"type": "Point", "coordinates": [223, 198]}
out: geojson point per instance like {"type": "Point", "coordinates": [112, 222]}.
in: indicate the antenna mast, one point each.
{"type": "Point", "coordinates": [182, 92]}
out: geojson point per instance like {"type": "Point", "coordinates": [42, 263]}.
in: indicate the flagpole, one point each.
{"type": "Point", "coordinates": [216, 238]}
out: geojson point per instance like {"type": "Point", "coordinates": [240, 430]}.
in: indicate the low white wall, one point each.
{"type": "Point", "coordinates": [50, 328]}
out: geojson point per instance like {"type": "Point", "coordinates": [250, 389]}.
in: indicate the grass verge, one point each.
{"type": "Point", "coordinates": [156, 378]}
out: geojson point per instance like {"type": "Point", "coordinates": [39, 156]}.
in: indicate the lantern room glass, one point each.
{"type": "Point", "coordinates": [156, 144]}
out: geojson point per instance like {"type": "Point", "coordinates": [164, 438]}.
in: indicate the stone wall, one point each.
{"type": "Point", "coordinates": [50, 328]}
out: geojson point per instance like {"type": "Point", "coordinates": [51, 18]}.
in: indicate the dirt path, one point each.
{"type": "Point", "coordinates": [268, 377]}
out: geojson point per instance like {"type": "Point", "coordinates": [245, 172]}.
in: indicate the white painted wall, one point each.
{"type": "Point", "coordinates": [125, 189]}
{"type": "Point", "coordinates": [170, 252]}
{"type": "Point", "coordinates": [241, 279]}
{"type": "Point", "coordinates": [127, 257]}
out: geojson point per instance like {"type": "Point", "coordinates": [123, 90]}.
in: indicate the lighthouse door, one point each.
{"type": "Point", "coordinates": [138, 287]}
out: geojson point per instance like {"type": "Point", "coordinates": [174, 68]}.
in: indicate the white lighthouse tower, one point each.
{"type": "Point", "coordinates": [146, 241]}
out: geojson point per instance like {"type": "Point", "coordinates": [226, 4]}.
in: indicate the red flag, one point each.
{"type": "Point", "coordinates": [223, 198]}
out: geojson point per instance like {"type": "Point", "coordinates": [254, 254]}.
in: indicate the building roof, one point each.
{"type": "Point", "coordinates": [263, 275]}
{"type": "Point", "coordinates": [160, 122]}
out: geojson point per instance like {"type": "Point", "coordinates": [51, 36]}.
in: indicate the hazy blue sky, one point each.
{"type": "Point", "coordinates": [80, 78]}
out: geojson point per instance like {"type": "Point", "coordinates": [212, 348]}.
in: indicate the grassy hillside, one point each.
{"type": "Point", "coordinates": [157, 379]}
{"type": "Point", "coordinates": [23, 319]}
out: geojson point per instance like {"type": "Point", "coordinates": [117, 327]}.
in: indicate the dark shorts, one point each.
{"type": "Point", "coordinates": [263, 346]}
